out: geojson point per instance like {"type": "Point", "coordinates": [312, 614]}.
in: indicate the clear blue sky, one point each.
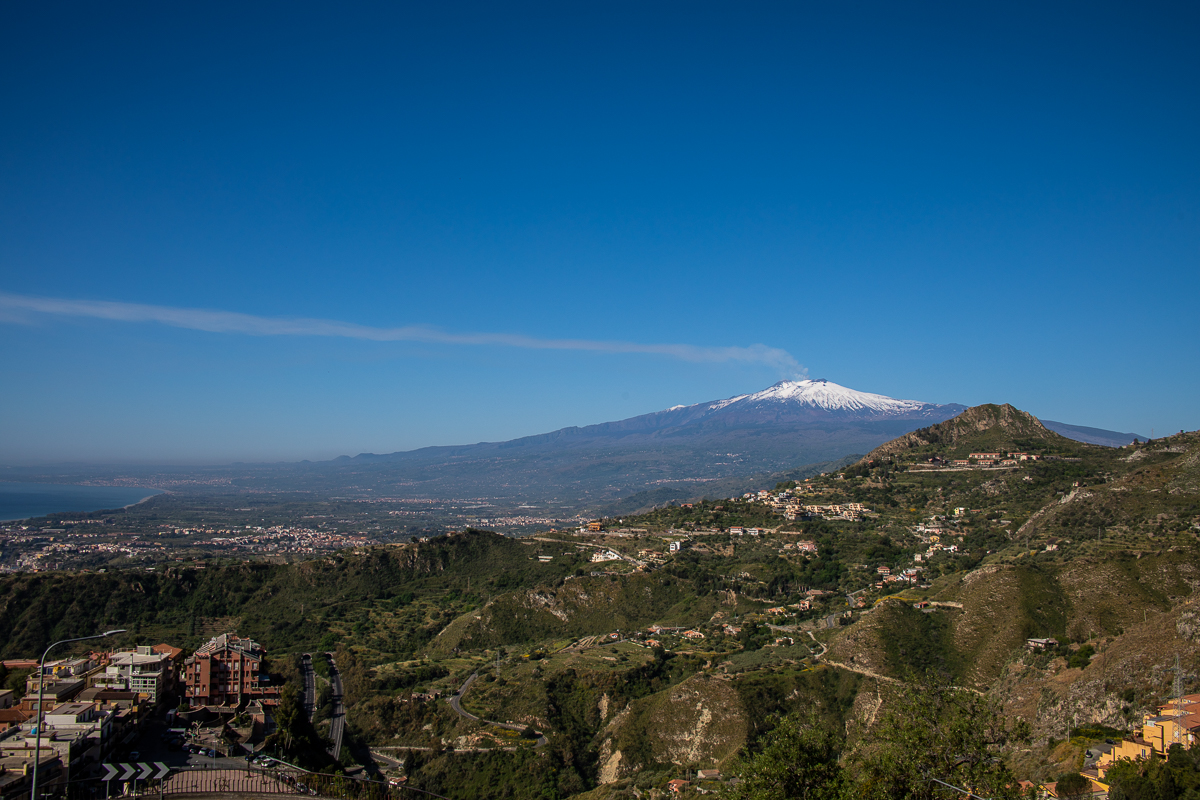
{"type": "Point", "coordinates": [945, 202]}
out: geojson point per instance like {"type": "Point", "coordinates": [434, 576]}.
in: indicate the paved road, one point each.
{"type": "Point", "coordinates": [456, 704]}
{"type": "Point", "coordinates": [456, 700]}
{"type": "Point", "coordinates": [310, 685]}
{"type": "Point", "coordinates": [150, 747]}
{"type": "Point", "coordinates": [337, 723]}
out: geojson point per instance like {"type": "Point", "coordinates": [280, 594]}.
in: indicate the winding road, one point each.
{"type": "Point", "coordinates": [456, 704]}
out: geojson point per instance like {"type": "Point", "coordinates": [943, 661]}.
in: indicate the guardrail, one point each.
{"type": "Point", "coordinates": [250, 781]}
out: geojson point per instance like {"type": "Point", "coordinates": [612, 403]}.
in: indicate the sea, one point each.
{"type": "Point", "coordinates": [25, 500]}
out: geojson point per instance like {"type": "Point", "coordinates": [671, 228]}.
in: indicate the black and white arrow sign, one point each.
{"type": "Point", "coordinates": [156, 770]}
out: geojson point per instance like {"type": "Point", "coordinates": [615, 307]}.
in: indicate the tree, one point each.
{"type": "Point", "coordinates": [16, 682]}
{"type": "Point", "coordinates": [295, 738]}
{"type": "Point", "coordinates": [799, 760]}
{"type": "Point", "coordinates": [931, 731]}
{"type": "Point", "coordinates": [1073, 786]}
{"type": "Point", "coordinates": [1175, 778]}
{"type": "Point", "coordinates": [1127, 782]}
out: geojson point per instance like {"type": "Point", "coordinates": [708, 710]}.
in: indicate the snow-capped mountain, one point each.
{"type": "Point", "coordinates": [829, 396]}
{"type": "Point", "coordinates": [716, 449]}
{"type": "Point", "coordinates": [783, 427]}
{"type": "Point", "coordinates": [810, 401]}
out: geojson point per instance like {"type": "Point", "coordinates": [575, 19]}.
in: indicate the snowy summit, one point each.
{"type": "Point", "coordinates": [814, 400]}
{"type": "Point", "coordinates": [826, 395]}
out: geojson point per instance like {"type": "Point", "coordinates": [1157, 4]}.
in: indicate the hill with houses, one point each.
{"type": "Point", "coordinates": [1054, 578]}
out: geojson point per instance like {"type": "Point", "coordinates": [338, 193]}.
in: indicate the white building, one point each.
{"type": "Point", "coordinates": [142, 671]}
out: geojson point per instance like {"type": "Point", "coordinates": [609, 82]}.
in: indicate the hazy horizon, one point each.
{"type": "Point", "coordinates": [296, 232]}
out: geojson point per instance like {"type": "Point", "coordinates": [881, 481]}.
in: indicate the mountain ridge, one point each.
{"type": "Point", "coordinates": [809, 400]}
{"type": "Point", "coordinates": [1083, 433]}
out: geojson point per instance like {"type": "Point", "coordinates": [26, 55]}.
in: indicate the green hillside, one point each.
{"type": "Point", "coordinates": [1094, 547]}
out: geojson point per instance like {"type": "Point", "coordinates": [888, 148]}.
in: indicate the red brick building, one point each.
{"type": "Point", "coordinates": [228, 671]}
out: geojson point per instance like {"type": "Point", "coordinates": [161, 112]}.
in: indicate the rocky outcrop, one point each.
{"type": "Point", "coordinates": [1006, 423]}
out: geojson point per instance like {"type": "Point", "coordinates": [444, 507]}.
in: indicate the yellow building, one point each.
{"type": "Point", "coordinates": [1176, 723]}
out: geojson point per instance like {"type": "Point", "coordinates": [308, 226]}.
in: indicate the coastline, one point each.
{"type": "Point", "coordinates": [21, 501]}
{"type": "Point", "coordinates": [144, 499]}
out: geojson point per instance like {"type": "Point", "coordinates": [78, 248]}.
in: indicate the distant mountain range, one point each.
{"type": "Point", "coordinates": [714, 448]}
{"type": "Point", "coordinates": [1081, 433]}
{"type": "Point", "coordinates": [678, 451]}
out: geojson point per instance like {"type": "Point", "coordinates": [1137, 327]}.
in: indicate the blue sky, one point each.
{"type": "Point", "coordinates": [952, 203]}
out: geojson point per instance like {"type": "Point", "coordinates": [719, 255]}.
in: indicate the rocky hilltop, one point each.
{"type": "Point", "coordinates": [990, 427]}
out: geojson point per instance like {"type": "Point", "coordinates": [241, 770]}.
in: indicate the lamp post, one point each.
{"type": "Point", "coordinates": [37, 747]}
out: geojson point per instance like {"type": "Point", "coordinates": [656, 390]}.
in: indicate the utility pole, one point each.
{"type": "Point", "coordinates": [1178, 687]}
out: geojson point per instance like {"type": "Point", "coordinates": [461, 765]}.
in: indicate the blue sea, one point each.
{"type": "Point", "coordinates": [24, 500]}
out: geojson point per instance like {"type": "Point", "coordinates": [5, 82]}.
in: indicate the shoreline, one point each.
{"type": "Point", "coordinates": [99, 505]}
{"type": "Point", "coordinates": [139, 502]}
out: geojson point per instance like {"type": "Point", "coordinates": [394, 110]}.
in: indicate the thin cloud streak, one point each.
{"type": "Point", "coordinates": [15, 307]}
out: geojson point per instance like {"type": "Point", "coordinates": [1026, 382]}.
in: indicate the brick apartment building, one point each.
{"type": "Point", "coordinates": [228, 671]}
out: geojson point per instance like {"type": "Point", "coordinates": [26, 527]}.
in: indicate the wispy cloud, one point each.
{"type": "Point", "coordinates": [15, 307]}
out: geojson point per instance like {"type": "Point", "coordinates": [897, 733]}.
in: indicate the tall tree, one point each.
{"type": "Point", "coordinates": [800, 760]}
{"type": "Point", "coordinates": [1073, 786]}
{"type": "Point", "coordinates": [931, 731]}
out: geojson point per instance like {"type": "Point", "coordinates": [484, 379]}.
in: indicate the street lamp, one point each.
{"type": "Point", "coordinates": [37, 747]}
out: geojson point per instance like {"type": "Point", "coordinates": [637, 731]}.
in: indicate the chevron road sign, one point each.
{"type": "Point", "coordinates": [141, 771]}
